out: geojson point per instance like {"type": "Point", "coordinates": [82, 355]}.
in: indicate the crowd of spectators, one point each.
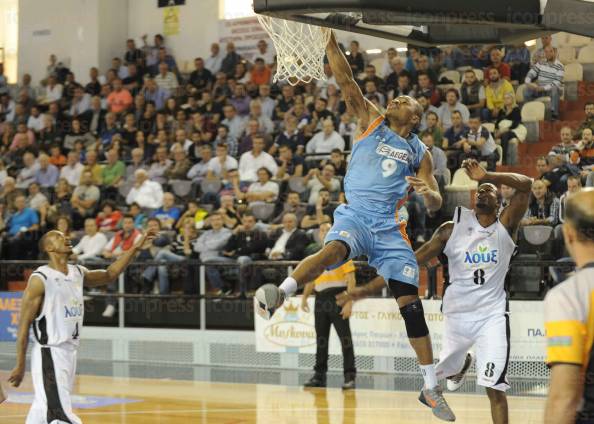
{"type": "Point", "coordinates": [232, 167]}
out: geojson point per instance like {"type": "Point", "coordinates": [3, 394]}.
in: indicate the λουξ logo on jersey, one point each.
{"type": "Point", "coordinates": [482, 256]}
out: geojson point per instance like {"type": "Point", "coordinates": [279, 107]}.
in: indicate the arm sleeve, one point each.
{"type": "Point", "coordinates": [565, 327]}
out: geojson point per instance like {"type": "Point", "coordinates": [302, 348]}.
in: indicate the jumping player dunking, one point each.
{"type": "Point", "coordinates": [479, 246]}
{"type": "Point", "coordinates": [387, 161]}
{"type": "Point", "coordinates": [53, 303]}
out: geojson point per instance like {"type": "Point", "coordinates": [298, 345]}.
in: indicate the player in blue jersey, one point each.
{"type": "Point", "coordinates": [387, 161]}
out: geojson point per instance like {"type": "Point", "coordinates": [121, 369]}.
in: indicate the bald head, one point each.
{"type": "Point", "coordinates": [48, 240]}
{"type": "Point", "coordinates": [579, 214]}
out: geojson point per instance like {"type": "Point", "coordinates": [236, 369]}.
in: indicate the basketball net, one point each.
{"type": "Point", "coordinates": [300, 49]}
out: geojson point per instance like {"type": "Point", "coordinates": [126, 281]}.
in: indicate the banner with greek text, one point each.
{"type": "Point", "coordinates": [378, 329]}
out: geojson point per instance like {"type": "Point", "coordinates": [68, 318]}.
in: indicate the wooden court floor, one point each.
{"type": "Point", "coordinates": [173, 401]}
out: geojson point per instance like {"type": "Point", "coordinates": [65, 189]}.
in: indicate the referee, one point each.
{"type": "Point", "coordinates": [569, 321]}
{"type": "Point", "coordinates": [327, 313]}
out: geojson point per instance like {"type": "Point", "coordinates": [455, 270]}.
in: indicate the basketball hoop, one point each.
{"type": "Point", "coordinates": [300, 49]}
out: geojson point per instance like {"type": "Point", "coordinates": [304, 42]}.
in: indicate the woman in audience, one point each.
{"type": "Point", "coordinates": [508, 120]}
{"type": "Point", "coordinates": [543, 208]}
{"type": "Point", "coordinates": [109, 218]}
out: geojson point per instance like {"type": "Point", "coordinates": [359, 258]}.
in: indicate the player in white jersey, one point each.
{"type": "Point", "coordinates": [479, 246]}
{"type": "Point", "coordinates": [53, 304]}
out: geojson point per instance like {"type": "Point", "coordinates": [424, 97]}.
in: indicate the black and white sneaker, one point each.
{"type": "Point", "coordinates": [456, 381]}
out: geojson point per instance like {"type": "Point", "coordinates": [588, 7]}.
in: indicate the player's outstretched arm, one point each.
{"type": "Point", "coordinates": [435, 246]}
{"type": "Point", "coordinates": [102, 277]}
{"type": "Point", "coordinates": [30, 306]}
{"type": "Point", "coordinates": [426, 185]}
{"type": "Point", "coordinates": [511, 216]}
{"type": "Point", "coordinates": [364, 111]}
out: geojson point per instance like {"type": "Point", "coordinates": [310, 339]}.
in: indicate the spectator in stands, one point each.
{"type": "Point", "coordinates": [265, 124]}
{"type": "Point", "coordinates": [210, 246]}
{"type": "Point", "coordinates": [589, 121]}
{"type": "Point", "coordinates": [262, 190]}
{"type": "Point", "coordinates": [121, 242]}
{"type": "Point", "coordinates": [546, 79]}
{"type": "Point", "coordinates": [472, 93]}
{"type": "Point", "coordinates": [235, 123]}
{"type": "Point", "coordinates": [586, 148]}
{"type": "Point", "coordinates": [284, 102]}
{"type": "Point", "coordinates": [321, 212]}
{"type": "Point", "coordinates": [47, 174]}
{"type": "Point", "coordinates": [23, 138]}
{"type": "Point", "coordinates": [315, 180]}
{"type": "Point", "coordinates": [230, 61]}
{"type": "Point", "coordinates": [93, 87]}
{"type": "Point", "coordinates": [478, 143]}
{"type": "Point", "coordinates": [37, 201]}
{"type": "Point", "coordinates": [440, 162]}
{"type": "Point", "coordinates": [507, 121]}
{"type": "Point", "coordinates": [112, 174]}
{"type": "Point", "coordinates": [120, 99]}
{"type": "Point", "coordinates": [53, 90]}
{"type": "Point", "coordinates": [28, 173]}
{"type": "Point", "coordinates": [84, 199]}
{"type": "Point", "coordinates": [108, 219]}
{"type": "Point", "coordinates": [260, 73]}
{"type": "Point", "coordinates": [552, 172]}
{"type": "Point", "coordinates": [338, 160]}
{"type": "Point", "coordinates": [199, 171]}
{"type": "Point", "coordinates": [56, 157]}
{"type": "Point", "coordinates": [240, 101]}
{"type": "Point", "coordinates": [136, 163]}
{"type": "Point", "coordinates": [257, 158]}
{"type": "Point", "coordinates": [497, 62]}
{"type": "Point", "coordinates": [223, 137]}
{"type": "Point", "coordinates": [221, 164]}
{"type": "Point", "coordinates": [543, 208]}
{"type": "Point", "coordinates": [201, 78]}
{"type": "Point", "coordinates": [452, 104]}
{"type": "Point", "coordinates": [289, 164]}
{"type": "Point", "coordinates": [292, 205]}
{"type": "Point", "coordinates": [35, 122]}
{"type": "Point", "coordinates": [230, 214]}
{"type": "Point", "coordinates": [267, 103]}
{"type": "Point", "coordinates": [214, 62]}
{"type": "Point", "coordinates": [155, 94]}
{"type": "Point", "coordinates": [518, 58]}
{"type": "Point", "coordinates": [567, 144]}
{"type": "Point", "coordinates": [148, 194]}
{"type": "Point", "coordinates": [91, 245]}
{"type": "Point", "coordinates": [9, 194]}
{"type": "Point", "coordinates": [266, 54]}
{"type": "Point", "coordinates": [106, 132]}
{"type": "Point", "coordinates": [540, 54]}
{"type": "Point", "coordinates": [81, 102]}
{"type": "Point", "coordinates": [574, 184]}
{"type": "Point", "coordinates": [495, 91]}
{"type": "Point", "coordinates": [326, 140]}
{"type": "Point", "coordinates": [168, 214]}
{"type": "Point", "coordinates": [427, 89]}
{"type": "Point", "coordinates": [93, 167]}
{"type": "Point", "coordinates": [178, 170]}
{"type": "Point", "coordinates": [402, 87]}
{"type": "Point", "coordinates": [371, 92]}
{"type": "Point", "coordinates": [433, 126]}
{"type": "Point", "coordinates": [288, 243]}
{"type": "Point", "coordinates": [166, 79]}
{"type": "Point", "coordinates": [247, 244]}
{"type": "Point", "coordinates": [159, 167]}
{"type": "Point", "coordinates": [318, 114]}
{"type": "Point", "coordinates": [422, 65]}
{"type": "Point", "coordinates": [427, 108]}
{"type": "Point", "coordinates": [355, 58]}
{"type": "Point", "coordinates": [23, 232]}
{"type": "Point", "coordinates": [79, 132]}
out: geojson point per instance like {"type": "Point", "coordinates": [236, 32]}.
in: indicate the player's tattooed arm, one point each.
{"type": "Point", "coordinates": [30, 308]}
{"type": "Point", "coordinates": [364, 110]}
{"type": "Point", "coordinates": [102, 277]}
{"type": "Point", "coordinates": [426, 185]}
{"type": "Point", "coordinates": [435, 246]}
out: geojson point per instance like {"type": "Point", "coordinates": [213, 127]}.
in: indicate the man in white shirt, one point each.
{"type": "Point", "coordinates": [291, 241]}
{"type": "Point", "coordinates": [265, 53]}
{"type": "Point", "coordinates": [53, 90]}
{"type": "Point", "coordinates": [81, 102]}
{"type": "Point", "coordinates": [73, 169]}
{"type": "Point", "coordinates": [35, 121]}
{"type": "Point", "coordinates": [222, 163]}
{"type": "Point", "coordinates": [452, 104]}
{"type": "Point", "coordinates": [326, 140]}
{"type": "Point", "coordinates": [166, 79]}
{"type": "Point", "coordinates": [91, 245]}
{"type": "Point", "coordinates": [257, 158]}
{"type": "Point", "coordinates": [215, 60]}
{"type": "Point", "coordinates": [147, 193]}
{"type": "Point", "coordinates": [234, 122]}
{"type": "Point", "coordinates": [264, 122]}
{"type": "Point", "coordinates": [267, 102]}
{"type": "Point", "coordinates": [28, 173]}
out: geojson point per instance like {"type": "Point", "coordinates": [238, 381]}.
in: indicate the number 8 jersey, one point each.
{"type": "Point", "coordinates": [61, 317]}
{"type": "Point", "coordinates": [478, 261]}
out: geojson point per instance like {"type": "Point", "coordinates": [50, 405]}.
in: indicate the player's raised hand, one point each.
{"type": "Point", "coordinates": [147, 237]}
{"type": "Point", "coordinates": [474, 170]}
{"type": "Point", "coordinates": [16, 376]}
{"type": "Point", "coordinates": [419, 185]}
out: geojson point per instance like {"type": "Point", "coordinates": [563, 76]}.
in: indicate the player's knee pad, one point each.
{"type": "Point", "coordinates": [414, 319]}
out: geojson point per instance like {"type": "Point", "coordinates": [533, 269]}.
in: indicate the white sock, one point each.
{"type": "Point", "coordinates": [428, 372]}
{"type": "Point", "coordinates": [289, 286]}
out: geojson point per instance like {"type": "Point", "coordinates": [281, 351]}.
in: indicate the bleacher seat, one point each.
{"type": "Point", "coordinates": [490, 126]}
{"type": "Point", "coordinates": [573, 72]}
{"type": "Point", "coordinates": [297, 184]}
{"type": "Point", "coordinates": [577, 40]}
{"type": "Point", "coordinates": [263, 211]}
{"type": "Point", "coordinates": [453, 76]}
{"type": "Point", "coordinates": [479, 74]}
{"type": "Point", "coordinates": [211, 185]}
{"type": "Point", "coordinates": [459, 192]}
{"type": "Point", "coordinates": [566, 54]}
{"type": "Point", "coordinates": [520, 93]}
{"type": "Point", "coordinates": [181, 188]}
{"type": "Point", "coordinates": [532, 113]}
{"type": "Point", "coordinates": [586, 54]}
